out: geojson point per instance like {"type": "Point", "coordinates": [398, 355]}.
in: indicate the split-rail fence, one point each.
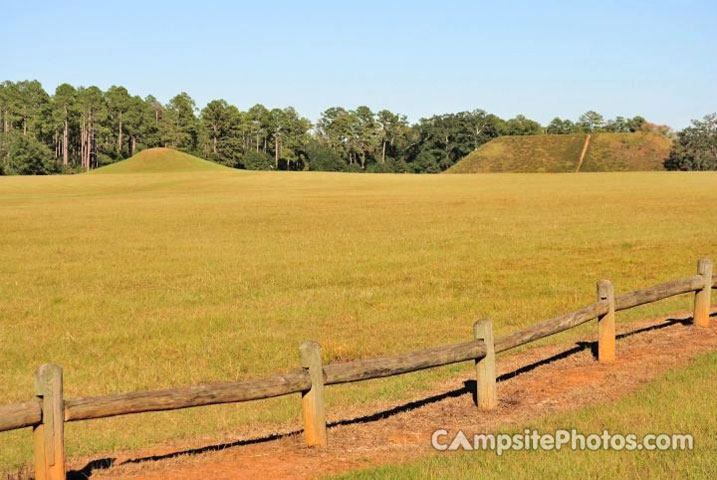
{"type": "Point", "coordinates": [47, 413]}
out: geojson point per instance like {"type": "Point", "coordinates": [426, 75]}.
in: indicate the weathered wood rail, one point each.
{"type": "Point", "coordinates": [47, 413]}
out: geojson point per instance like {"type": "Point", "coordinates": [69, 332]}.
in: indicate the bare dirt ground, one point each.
{"type": "Point", "coordinates": [583, 152]}
{"type": "Point", "coordinates": [532, 384]}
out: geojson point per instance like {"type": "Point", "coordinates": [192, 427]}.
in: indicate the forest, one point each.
{"type": "Point", "coordinates": [76, 129]}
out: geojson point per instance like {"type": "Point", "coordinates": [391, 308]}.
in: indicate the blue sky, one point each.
{"type": "Point", "coordinates": [543, 59]}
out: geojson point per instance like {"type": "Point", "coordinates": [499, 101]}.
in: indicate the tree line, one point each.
{"type": "Point", "coordinates": [81, 128]}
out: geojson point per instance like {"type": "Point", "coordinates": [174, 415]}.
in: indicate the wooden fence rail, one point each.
{"type": "Point", "coordinates": [48, 412]}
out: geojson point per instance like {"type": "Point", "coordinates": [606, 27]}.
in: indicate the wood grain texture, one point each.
{"type": "Point", "coordinates": [606, 323]}
{"type": "Point", "coordinates": [578, 317]}
{"type": "Point", "coordinates": [701, 315]}
{"type": "Point", "coordinates": [403, 363]}
{"type": "Point", "coordinates": [659, 292]}
{"type": "Point", "coordinates": [486, 390]}
{"type": "Point", "coordinates": [173, 399]}
{"type": "Point", "coordinates": [20, 415]}
{"type": "Point", "coordinates": [49, 436]}
{"type": "Point", "coordinates": [312, 400]}
{"type": "Point", "coordinates": [552, 326]}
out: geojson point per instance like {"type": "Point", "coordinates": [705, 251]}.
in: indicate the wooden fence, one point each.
{"type": "Point", "coordinates": [47, 413]}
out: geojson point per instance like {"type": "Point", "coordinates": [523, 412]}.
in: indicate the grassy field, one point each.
{"type": "Point", "coordinates": [651, 410]}
{"type": "Point", "coordinates": [141, 281]}
{"type": "Point", "coordinates": [561, 153]}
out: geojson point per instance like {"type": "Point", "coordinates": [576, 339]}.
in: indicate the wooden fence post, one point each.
{"type": "Point", "coordinates": [606, 323]}
{"type": "Point", "coordinates": [701, 316]}
{"type": "Point", "coordinates": [312, 401]}
{"type": "Point", "coordinates": [486, 394]}
{"type": "Point", "coordinates": [49, 436]}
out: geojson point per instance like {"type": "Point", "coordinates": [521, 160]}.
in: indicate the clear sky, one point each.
{"type": "Point", "coordinates": [540, 58]}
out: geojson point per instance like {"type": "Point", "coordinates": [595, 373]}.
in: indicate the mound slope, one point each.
{"type": "Point", "coordinates": [561, 153]}
{"type": "Point", "coordinates": [614, 152]}
{"type": "Point", "coordinates": [527, 154]}
{"type": "Point", "coordinates": [160, 160]}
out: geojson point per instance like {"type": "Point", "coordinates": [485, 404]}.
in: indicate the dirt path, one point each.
{"type": "Point", "coordinates": [583, 153]}
{"type": "Point", "coordinates": [533, 383]}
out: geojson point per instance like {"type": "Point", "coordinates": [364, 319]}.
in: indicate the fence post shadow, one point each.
{"type": "Point", "coordinates": [86, 472]}
{"type": "Point", "coordinates": [469, 387]}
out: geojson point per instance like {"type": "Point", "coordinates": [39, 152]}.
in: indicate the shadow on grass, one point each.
{"type": "Point", "coordinates": [469, 387]}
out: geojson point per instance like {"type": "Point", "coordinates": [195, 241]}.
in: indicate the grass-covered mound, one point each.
{"type": "Point", "coordinates": [160, 160]}
{"type": "Point", "coordinates": [561, 153]}
{"type": "Point", "coordinates": [613, 152]}
{"type": "Point", "coordinates": [526, 154]}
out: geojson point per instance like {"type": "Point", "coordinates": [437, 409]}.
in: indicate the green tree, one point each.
{"type": "Point", "coordinates": [291, 134]}
{"type": "Point", "coordinates": [253, 160]}
{"type": "Point", "coordinates": [366, 136]}
{"type": "Point", "coordinates": [216, 121]}
{"type": "Point", "coordinates": [323, 158]}
{"type": "Point", "coordinates": [141, 125]}
{"type": "Point", "coordinates": [222, 132]}
{"type": "Point", "coordinates": [448, 138]}
{"type": "Point", "coordinates": [635, 124]}
{"type": "Point", "coordinates": [426, 163]}
{"type": "Point", "coordinates": [591, 121]}
{"type": "Point", "coordinates": [180, 124]}
{"type": "Point", "coordinates": [157, 109]}
{"type": "Point", "coordinates": [31, 106]}
{"type": "Point", "coordinates": [696, 146]}
{"type": "Point", "coordinates": [63, 108]}
{"type": "Point", "coordinates": [276, 127]}
{"type": "Point", "coordinates": [24, 155]}
{"type": "Point", "coordinates": [118, 103]}
{"type": "Point", "coordinates": [258, 118]}
{"type": "Point", "coordinates": [92, 110]}
{"type": "Point", "coordinates": [558, 126]}
{"type": "Point", "coordinates": [393, 130]}
{"type": "Point", "coordinates": [520, 125]}
{"type": "Point", "coordinates": [335, 129]}
{"type": "Point", "coordinates": [8, 105]}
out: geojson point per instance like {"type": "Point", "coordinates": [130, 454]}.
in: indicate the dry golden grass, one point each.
{"type": "Point", "coordinates": [145, 281]}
